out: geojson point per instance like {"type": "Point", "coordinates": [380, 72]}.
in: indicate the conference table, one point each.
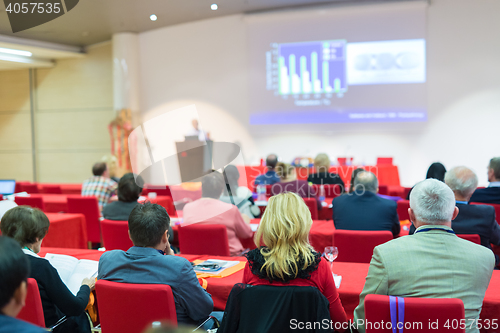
{"type": "Point", "coordinates": [353, 279]}
{"type": "Point", "coordinates": [66, 231]}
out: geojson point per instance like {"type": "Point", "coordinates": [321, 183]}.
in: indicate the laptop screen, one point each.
{"type": "Point", "coordinates": [7, 186]}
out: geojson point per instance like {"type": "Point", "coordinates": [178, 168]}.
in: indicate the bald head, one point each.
{"type": "Point", "coordinates": [271, 161]}
{"type": "Point", "coordinates": [462, 181]}
{"type": "Point", "coordinates": [366, 180]}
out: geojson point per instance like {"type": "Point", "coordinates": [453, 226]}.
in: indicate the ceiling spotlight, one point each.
{"type": "Point", "coordinates": [16, 52]}
{"type": "Point", "coordinates": [214, 6]}
{"type": "Point", "coordinates": [153, 17]}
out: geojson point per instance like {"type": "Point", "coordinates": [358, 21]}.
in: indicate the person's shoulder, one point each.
{"type": "Point", "coordinates": [483, 209]}
{"type": "Point", "coordinates": [111, 256]}
{"type": "Point", "coordinates": [387, 202]}
{"type": "Point", "coordinates": [10, 325]}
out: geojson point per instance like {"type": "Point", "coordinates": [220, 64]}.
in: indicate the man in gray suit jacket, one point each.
{"type": "Point", "coordinates": [433, 262]}
{"type": "Point", "coordinates": [151, 260]}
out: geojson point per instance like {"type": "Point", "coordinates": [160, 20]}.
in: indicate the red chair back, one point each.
{"type": "Point", "coordinates": [474, 238]}
{"type": "Point", "coordinates": [496, 206]}
{"type": "Point", "coordinates": [53, 189]}
{"type": "Point", "coordinates": [115, 235]}
{"type": "Point", "coordinates": [89, 207]}
{"type": "Point", "coordinates": [201, 238]}
{"type": "Point", "coordinates": [384, 161]}
{"type": "Point", "coordinates": [131, 308]}
{"type": "Point", "coordinates": [416, 310]}
{"type": "Point", "coordinates": [357, 245]}
{"type": "Point", "coordinates": [158, 191]}
{"type": "Point", "coordinates": [313, 207]}
{"type": "Point", "coordinates": [403, 206]}
{"type": "Point", "coordinates": [35, 202]}
{"type": "Point", "coordinates": [29, 187]}
{"type": "Point", "coordinates": [32, 312]}
{"type": "Point", "coordinates": [383, 189]}
{"type": "Point", "coordinates": [406, 191]}
{"type": "Point", "coordinates": [331, 191]}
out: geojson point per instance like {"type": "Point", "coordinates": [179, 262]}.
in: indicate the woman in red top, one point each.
{"type": "Point", "coordinates": [288, 259]}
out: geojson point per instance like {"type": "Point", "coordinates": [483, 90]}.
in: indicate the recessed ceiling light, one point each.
{"type": "Point", "coordinates": [16, 52]}
{"type": "Point", "coordinates": [153, 17]}
{"type": "Point", "coordinates": [214, 6]}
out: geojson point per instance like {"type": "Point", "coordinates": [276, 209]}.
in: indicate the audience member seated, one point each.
{"type": "Point", "coordinates": [28, 226]}
{"type": "Point", "coordinates": [471, 219]}
{"type": "Point", "coordinates": [322, 176]}
{"type": "Point", "coordinates": [100, 185]}
{"type": "Point", "coordinates": [13, 289]}
{"type": "Point", "coordinates": [270, 177]}
{"type": "Point", "coordinates": [435, 171]}
{"type": "Point", "coordinates": [210, 210]}
{"type": "Point", "coordinates": [364, 209]}
{"type": "Point", "coordinates": [287, 259]}
{"type": "Point", "coordinates": [434, 262]}
{"type": "Point", "coordinates": [151, 260]}
{"type": "Point", "coordinates": [128, 194]}
{"type": "Point", "coordinates": [290, 183]}
{"type": "Point", "coordinates": [353, 176]}
{"type": "Point", "coordinates": [490, 194]}
{"type": "Point", "coordinates": [240, 196]}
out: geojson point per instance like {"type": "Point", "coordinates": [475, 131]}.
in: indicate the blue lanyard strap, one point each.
{"type": "Point", "coordinates": [429, 229]}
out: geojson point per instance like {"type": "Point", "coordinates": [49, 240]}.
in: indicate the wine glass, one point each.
{"type": "Point", "coordinates": [331, 253]}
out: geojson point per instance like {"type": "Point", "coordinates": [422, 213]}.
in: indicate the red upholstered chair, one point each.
{"type": "Point", "coordinates": [30, 188]}
{"type": "Point", "coordinates": [115, 235]}
{"type": "Point", "coordinates": [403, 206]}
{"type": "Point", "coordinates": [89, 207]}
{"type": "Point", "coordinates": [52, 189]}
{"type": "Point", "coordinates": [131, 308]}
{"type": "Point", "coordinates": [416, 310]}
{"type": "Point", "coordinates": [384, 160]}
{"type": "Point", "coordinates": [344, 160]}
{"type": "Point", "coordinates": [474, 238]}
{"type": "Point", "coordinates": [32, 312]}
{"type": "Point", "coordinates": [203, 239]}
{"type": "Point", "coordinates": [496, 206]}
{"type": "Point", "coordinates": [357, 245]}
{"type": "Point", "coordinates": [406, 191]}
{"type": "Point", "coordinates": [313, 207]}
{"type": "Point", "coordinates": [331, 191]}
{"type": "Point", "coordinates": [158, 191]}
{"type": "Point", "coordinates": [383, 189]}
{"type": "Point", "coordinates": [31, 201]}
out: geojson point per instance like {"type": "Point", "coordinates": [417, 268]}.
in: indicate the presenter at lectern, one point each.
{"type": "Point", "coordinates": [196, 131]}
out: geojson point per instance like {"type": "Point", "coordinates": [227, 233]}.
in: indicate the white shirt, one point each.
{"type": "Point", "coordinates": [494, 184]}
{"type": "Point", "coordinates": [202, 135]}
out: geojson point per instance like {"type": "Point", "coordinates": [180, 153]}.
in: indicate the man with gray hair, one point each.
{"type": "Point", "coordinates": [363, 209]}
{"type": "Point", "coordinates": [434, 262]}
{"type": "Point", "coordinates": [491, 194]}
{"type": "Point", "coordinates": [471, 219]}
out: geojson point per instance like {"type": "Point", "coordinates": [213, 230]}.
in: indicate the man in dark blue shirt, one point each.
{"type": "Point", "coordinates": [270, 177]}
{"type": "Point", "coordinates": [13, 290]}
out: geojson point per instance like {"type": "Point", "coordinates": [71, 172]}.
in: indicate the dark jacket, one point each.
{"type": "Point", "coordinates": [118, 210]}
{"type": "Point", "coordinates": [325, 179]}
{"type": "Point", "coordinates": [365, 212]}
{"type": "Point", "coordinates": [475, 219]}
{"type": "Point", "coordinates": [57, 300]}
{"type": "Point", "coordinates": [486, 195]}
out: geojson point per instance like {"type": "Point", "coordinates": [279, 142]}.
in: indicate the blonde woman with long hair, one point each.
{"type": "Point", "coordinates": [287, 259]}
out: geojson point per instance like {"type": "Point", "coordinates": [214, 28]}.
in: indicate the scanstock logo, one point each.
{"type": "Point", "coordinates": [27, 14]}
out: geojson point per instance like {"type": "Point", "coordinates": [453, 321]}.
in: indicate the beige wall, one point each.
{"type": "Point", "coordinates": [73, 104]}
